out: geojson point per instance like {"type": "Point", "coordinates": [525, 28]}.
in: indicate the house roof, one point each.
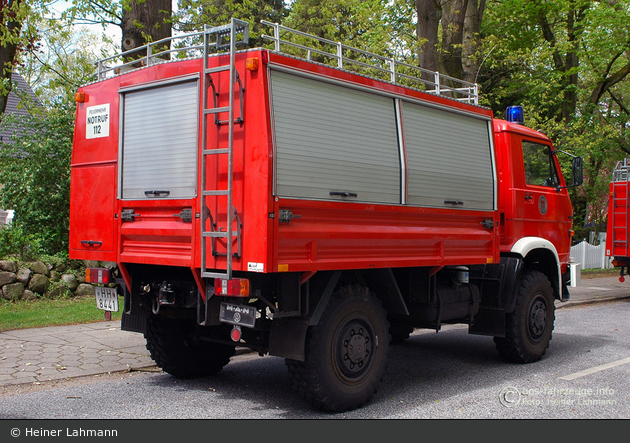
{"type": "Point", "coordinates": [13, 104]}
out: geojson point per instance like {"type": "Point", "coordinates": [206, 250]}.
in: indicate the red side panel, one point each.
{"type": "Point", "coordinates": [332, 235]}
{"type": "Point", "coordinates": [92, 208]}
{"type": "Point", "coordinates": [157, 234]}
{"type": "Point", "coordinates": [94, 176]}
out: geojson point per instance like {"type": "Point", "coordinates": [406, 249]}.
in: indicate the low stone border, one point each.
{"type": "Point", "coordinates": [32, 280]}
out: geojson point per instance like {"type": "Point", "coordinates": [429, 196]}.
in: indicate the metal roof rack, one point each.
{"type": "Point", "coordinates": [346, 57]}
{"type": "Point", "coordinates": [179, 47]}
{"type": "Point", "coordinates": [297, 44]}
{"type": "Point", "coordinates": [620, 174]}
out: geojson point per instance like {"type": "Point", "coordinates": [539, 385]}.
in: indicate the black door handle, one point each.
{"type": "Point", "coordinates": [343, 194]}
{"type": "Point", "coordinates": [157, 193]}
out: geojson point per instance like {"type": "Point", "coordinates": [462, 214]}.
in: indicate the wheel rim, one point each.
{"type": "Point", "coordinates": [355, 348]}
{"type": "Point", "coordinates": [537, 318]}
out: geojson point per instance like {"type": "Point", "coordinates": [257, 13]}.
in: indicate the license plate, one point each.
{"type": "Point", "coordinates": [237, 315]}
{"type": "Point", "coordinates": [106, 299]}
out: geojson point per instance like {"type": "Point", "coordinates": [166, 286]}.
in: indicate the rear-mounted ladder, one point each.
{"type": "Point", "coordinates": [234, 30]}
{"type": "Point", "coordinates": [620, 211]}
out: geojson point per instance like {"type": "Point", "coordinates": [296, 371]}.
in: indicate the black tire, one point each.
{"type": "Point", "coordinates": [346, 352]}
{"type": "Point", "coordinates": [530, 326]}
{"type": "Point", "coordinates": [174, 347]}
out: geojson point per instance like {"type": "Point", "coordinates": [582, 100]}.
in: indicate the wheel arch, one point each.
{"type": "Point", "coordinates": [540, 254]}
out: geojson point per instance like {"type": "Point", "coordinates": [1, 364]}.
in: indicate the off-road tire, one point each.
{"type": "Point", "coordinates": [346, 352]}
{"type": "Point", "coordinates": [530, 326]}
{"type": "Point", "coordinates": [174, 347]}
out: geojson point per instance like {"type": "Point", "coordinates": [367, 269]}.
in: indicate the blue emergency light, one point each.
{"type": "Point", "coordinates": [515, 114]}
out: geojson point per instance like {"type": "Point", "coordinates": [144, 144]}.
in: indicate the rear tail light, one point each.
{"type": "Point", "coordinates": [97, 275]}
{"type": "Point", "coordinates": [236, 287]}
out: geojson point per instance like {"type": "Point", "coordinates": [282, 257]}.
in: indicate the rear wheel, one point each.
{"type": "Point", "coordinates": [346, 352]}
{"type": "Point", "coordinates": [175, 347]}
{"type": "Point", "coordinates": [529, 327]}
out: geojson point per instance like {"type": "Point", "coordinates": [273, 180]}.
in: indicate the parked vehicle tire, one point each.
{"type": "Point", "coordinates": [530, 326]}
{"type": "Point", "coordinates": [346, 352]}
{"type": "Point", "coordinates": [175, 348]}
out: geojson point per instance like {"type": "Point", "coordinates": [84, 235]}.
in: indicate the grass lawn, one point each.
{"type": "Point", "coordinates": [594, 273]}
{"type": "Point", "coordinates": [47, 312]}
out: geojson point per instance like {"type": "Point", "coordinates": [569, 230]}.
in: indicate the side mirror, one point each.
{"type": "Point", "coordinates": [577, 171]}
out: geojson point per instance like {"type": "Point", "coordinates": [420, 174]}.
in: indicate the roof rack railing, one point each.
{"type": "Point", "coordinates": [621, 172]}
{"type": "Point", "coordinates": [189, 45]}
{"type": "Point", "coordinates": [347, 57]}
{"type": "Point", "coordinates": [316, 49]}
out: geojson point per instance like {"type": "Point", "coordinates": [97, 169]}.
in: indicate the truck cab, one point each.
{"type": "Point", "coordinates": [534, 204]}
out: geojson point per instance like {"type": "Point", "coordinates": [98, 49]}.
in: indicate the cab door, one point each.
{"type": "Point", "coordinates": [542, 200]}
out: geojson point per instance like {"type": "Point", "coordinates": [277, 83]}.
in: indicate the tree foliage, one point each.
{"type": "Point", "coordinates": [64, 61]}
{"type": "Point", "coordinates": [567, 63]}
{"type": "Point", "coordinates": [17, 34]}
{"type": "Point", "coordinates": [35, 176]}
{"type": "Point", "coordinates": [193, 15]}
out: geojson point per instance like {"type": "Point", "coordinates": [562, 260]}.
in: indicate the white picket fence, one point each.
{"type": "Point", "coordinates": [591, 257]}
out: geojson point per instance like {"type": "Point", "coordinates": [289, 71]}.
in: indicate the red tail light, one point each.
{"type": "Point", "coordinates": [236, 287]}
{"type": "Point", "coordinates": [97, 275]}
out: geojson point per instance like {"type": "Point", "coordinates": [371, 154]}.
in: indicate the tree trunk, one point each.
{"type": "Point", "coordinates": [471, 39]}
{"type": "Point", "coordinates": [8, 46]}
{"type": "Point", "coordinates": [145, 21]}
{"type": "Point", "coordinates": [429, 16]}
{"type": "Point", "coordinates": [453, 16]}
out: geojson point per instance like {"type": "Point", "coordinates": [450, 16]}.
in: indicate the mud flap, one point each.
{"type": "Point", "coordinates": [287, 339]}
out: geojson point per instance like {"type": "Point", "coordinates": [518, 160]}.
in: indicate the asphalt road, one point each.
{"type": "Point", "coordinates": [448, 375]}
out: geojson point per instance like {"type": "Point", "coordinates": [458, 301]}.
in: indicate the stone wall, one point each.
{"type": "Point", "coordinates": [29, 281]}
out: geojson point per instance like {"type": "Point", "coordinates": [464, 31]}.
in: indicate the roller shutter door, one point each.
{"type": "Point", "coordinates": [448, 159]}
{"type": "Point", "coordinates": [331, 138]}
{"type": "Point", "coordinates": [159, 145]}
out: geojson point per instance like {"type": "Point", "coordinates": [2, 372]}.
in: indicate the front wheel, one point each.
{"type": "Point", "coordinates": [529, 327]}
{"type": "Point", "coordinates": [346, 352]}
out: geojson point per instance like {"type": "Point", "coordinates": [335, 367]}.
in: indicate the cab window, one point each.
{"type": "Point", "coordinates": [540, 169]}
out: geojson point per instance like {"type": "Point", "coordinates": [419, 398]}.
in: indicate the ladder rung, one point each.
{"type": "Point", "coordinates": [215, 234]}
{"type": "Point", "coordinates": [213, 275]}
{"type": "Point", "coordinates": [218, 234]}
{"type": "Point", "coordinates": [219, 192]}
{"type": "Point", "coordinates": [216, 151]}
{"type": "Point", "coordinates": [216, 110]}
{"type": "Point", "coordinates": [216, 69]}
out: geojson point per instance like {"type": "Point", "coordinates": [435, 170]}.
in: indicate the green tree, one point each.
{"type": "Point", "coordinates": [35, 176]}
{"type": "Point", "coordinates": [193, 15]}
{"type": "Point", "coordinates": [65, 61]}
{"type": "Point", "coordinates": [17, 34]}
{"type": "Point", "coordinates": [141, 21]}
{"type": "Point", "coordinates": [567, 63]}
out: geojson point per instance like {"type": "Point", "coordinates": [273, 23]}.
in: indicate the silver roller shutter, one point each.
{"type": "Point", "coordinates": [448, 159]}
{"type": "Point", "coordinates": [159, 144]}
{"type": "Point", "coordinates": [330, 138]}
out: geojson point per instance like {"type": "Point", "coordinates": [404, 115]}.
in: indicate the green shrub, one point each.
{"type": "Point", "coordinates": [16, 243]}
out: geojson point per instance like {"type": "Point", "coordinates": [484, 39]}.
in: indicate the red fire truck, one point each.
{"type": "Point", "coordinates": [314, 204]}
{"type": "Point", "coordinates": [617, 232]}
